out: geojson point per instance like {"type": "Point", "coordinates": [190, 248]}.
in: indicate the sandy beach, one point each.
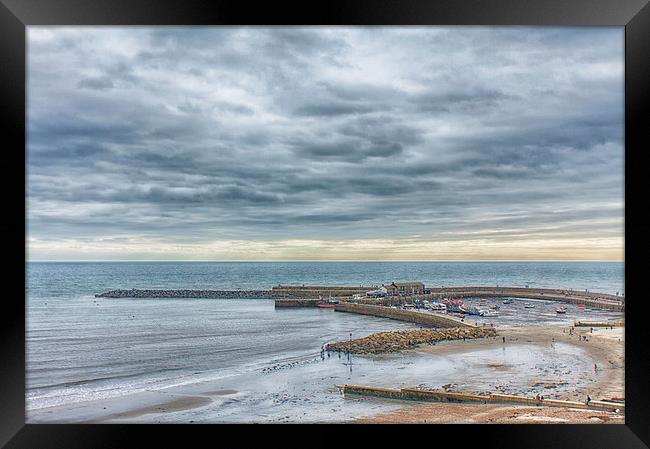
{"type": "Point", "coordinates": [604, 345]}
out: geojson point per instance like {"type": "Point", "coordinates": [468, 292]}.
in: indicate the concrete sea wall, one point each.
{"type": "Point", "coordinates": [316, 291]}
{"type": "Point", "coordinates": [423, 318]}
{"type": "Point", "coordinates": [279, 303]}
{"type": "Point", "coordinates": [599, 324]}
{"type": "Point", "coordinates": [413, 394]}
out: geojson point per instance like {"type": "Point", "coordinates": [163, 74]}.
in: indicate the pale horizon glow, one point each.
{"type": "Point", "coordinates": [325, 144]}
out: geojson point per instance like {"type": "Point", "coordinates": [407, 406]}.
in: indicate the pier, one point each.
{"type": "Point", "coordinates": [315, 291]}
{"type": "Point", "coordinates": [426, 319]}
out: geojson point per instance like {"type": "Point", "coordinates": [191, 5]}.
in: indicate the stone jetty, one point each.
{"type": "Point", "coordinates": [210, 294]}
{"type": "Point", "coordinates": [393, 341]}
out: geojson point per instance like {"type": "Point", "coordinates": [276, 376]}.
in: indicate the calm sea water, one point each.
{"type": "Point", "coordinates": [81, 348]}
{"type": "Point", "coordinates": [65, 279]}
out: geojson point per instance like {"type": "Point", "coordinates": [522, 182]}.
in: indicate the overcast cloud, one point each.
{"type": "Point", "coordinates": [385, 143]}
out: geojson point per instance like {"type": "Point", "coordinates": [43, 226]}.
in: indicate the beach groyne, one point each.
{"type": "Point", "coordinates": [393, 341]}
{"type": "Point", "coordinates": [423, 318]}
{"type": "Point", "coordinates": [160, 293]}
{"type": "Point", "coordinates": [599, 324]}
{"type": "Point", "coordinates": [413, 394]}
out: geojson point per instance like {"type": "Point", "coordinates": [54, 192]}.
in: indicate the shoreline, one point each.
{"type": "Point", "coordinates": [186, 404]}
{"type": "Point", "coordinates": [606, 346]}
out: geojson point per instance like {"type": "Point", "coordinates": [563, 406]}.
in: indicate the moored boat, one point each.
{"type": "Point", "coordinates": [324, 305]}
{"type": "Point", "coordinates": [329, 304]}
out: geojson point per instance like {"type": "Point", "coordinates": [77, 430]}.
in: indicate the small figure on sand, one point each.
{"type": "Point", "coordinates": [588, 399]}
{"type": "Point", "coordinates": [504, 339]}
{"type": "Point", "coordinates": [595, 368]}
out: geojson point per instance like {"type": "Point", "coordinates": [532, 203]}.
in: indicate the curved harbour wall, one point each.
{"type": "Point", "coordinates": [425, 319]}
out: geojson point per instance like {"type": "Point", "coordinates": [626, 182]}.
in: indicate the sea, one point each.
{"type": "Point", "coordinates": [255, 363]}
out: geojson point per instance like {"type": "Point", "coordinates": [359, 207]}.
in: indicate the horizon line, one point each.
{"type": "Point", "coordinates": [321, 261]}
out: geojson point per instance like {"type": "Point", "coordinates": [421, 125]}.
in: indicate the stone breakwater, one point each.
{"type": "Point", "coordinates": [210, 294]}
{"type": "Point", "coordinates": [394, 341]}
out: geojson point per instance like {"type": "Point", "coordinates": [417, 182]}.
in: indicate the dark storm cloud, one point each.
{"type": "Point", "coordinates": [317, 133]}
{"type": "Point", "coordinates": [99, 83]}
{"type": "Point", "coordinates": [323, 110]}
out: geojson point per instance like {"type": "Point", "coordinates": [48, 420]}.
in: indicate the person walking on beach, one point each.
{"type": "Point", "coordinates": [504, 339]}
{"type": "Point", "coordinates": [595, 368]}
{"type": "Point", "coordinates": [588, 399]}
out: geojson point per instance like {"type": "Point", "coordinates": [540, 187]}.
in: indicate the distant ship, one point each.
{"type": "Point", "coordinates": [560, 310]}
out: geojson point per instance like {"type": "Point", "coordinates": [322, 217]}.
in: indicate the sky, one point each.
{"type": "Point", "coordinates": [325, 143]}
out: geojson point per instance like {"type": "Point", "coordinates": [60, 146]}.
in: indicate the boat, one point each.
{"type": "Point", "coordinates": [455, 305]}
{"type": "Point", "coordinates": [529, 306]}
{"type": "Point", "coordinates": [329, 304]}
{"type": "Point", "coordinates": [488, 313]}
{"type": "Point", "coordinates": [508, 301]}
{"type": "Point", "coordinates": [560, 310]}
{"type": "Point", "coordinates": [437, 306]}
{"type": "Point", "coordinates": [326, 306]}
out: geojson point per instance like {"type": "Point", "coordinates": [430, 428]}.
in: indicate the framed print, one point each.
{"type": "Point", "coordinates": [360, 213]}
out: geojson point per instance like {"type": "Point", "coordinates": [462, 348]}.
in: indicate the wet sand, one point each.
{"type": "Point", "coordinates": [605, 346]}
{"type": "Point", "coordinates": [173, 405]}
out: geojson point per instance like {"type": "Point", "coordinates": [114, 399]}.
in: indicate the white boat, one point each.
{"type": "Point", "coordinates": [437, 306]}
{"type": "Point", "coordinates": [489, 313]}
{"type": "Point", "coordinates": [529, 306]}
{"type": "Point", "coordinates": [560, 310]}
{"type": "Point", "coordinates": [508, 301]}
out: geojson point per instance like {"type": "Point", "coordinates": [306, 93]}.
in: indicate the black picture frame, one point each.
{"type": "Point", "coordinates": [634, 15]}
